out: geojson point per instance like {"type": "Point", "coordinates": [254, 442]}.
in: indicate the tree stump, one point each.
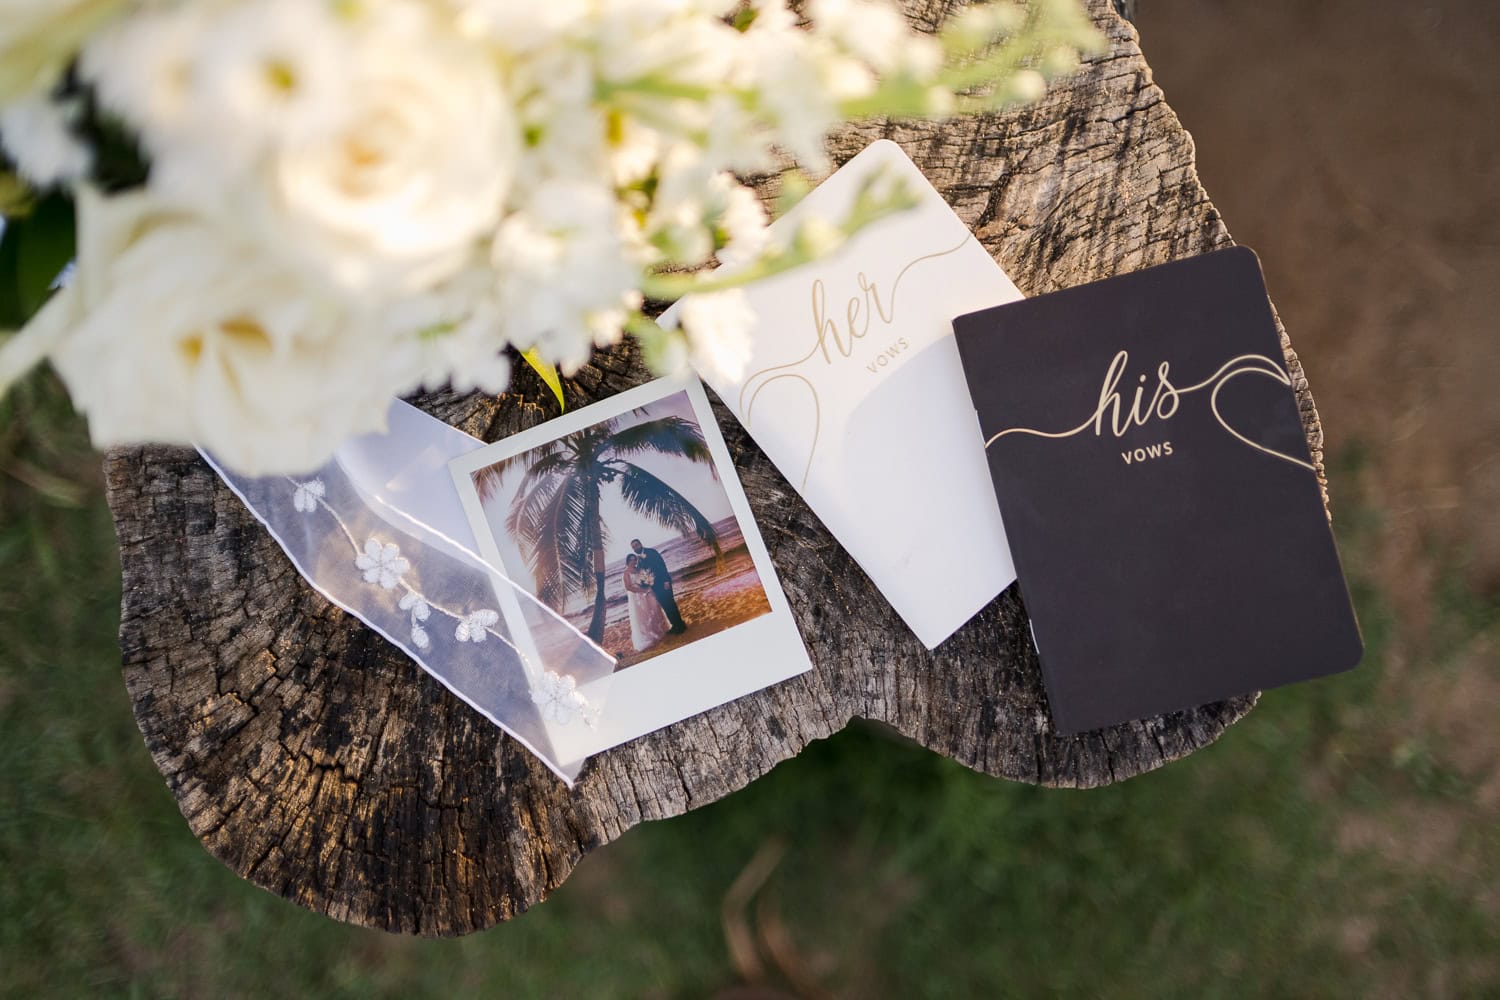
{"type": "Point", "coordinates": [319, 762]}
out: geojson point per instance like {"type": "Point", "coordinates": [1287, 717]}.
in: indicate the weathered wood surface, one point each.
{"type": "Point", "coordinates": [319, 762]}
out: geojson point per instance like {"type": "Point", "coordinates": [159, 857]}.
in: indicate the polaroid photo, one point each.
{"type": "Point", "coordinates": [627, 519]}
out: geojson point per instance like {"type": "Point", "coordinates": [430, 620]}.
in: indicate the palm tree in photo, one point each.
{"type": "Point", "coordinates": [555, 512]}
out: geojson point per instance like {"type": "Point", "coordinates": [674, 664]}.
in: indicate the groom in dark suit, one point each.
{"type": "Point", "coordinates": [661, 584]}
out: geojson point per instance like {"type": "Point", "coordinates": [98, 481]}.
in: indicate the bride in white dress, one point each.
{"type": "Point", "coordinates": [648, 622]}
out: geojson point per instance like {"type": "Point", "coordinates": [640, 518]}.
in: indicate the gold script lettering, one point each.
{"type": "Point", "coordinates": [1165, 400]}
{"type": "Point", "coordinates": [831, 344]}
{"type": "Point", "coordinates": [1109, 398]}
{"type": "Point", "coordinates": [867, 302]}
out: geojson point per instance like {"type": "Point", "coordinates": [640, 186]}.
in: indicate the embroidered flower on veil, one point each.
{"type": "Point", "coordinates": [305, 498]}
{"type": "Point", "coordinates": [383, 564]}
{"type": "Point", "coordinates": [558, 698]}
{"type": "Point", "coordinates": [474, 626]}
{"type": "Point", "coordinates": [420, 610]}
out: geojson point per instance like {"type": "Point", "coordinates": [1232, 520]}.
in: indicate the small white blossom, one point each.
{"type": "Point", "coordinates": [306, 496]}
{"type": "Point", "coordinates": [474, 627]}
{"type": "Point", "coordinates": [718, 326]}
{"type": "Point", "coordinates": [563, 267]}
{"type": "Point", "coordinates": [558, 697]}
{"type": "Point", "coordinates": [875, 33]}
{"type": "Point", "coordinates": [382, 564]}
{"type": "Point", "coordinates": [744, 224]}
{"type": "Point", "coordinates": [521, 28]}
{"type": "Point", "coordinates": [36, 132]}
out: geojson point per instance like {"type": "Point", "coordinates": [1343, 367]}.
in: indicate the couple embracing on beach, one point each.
{"type": "Point", "coordinates": [648, 593]}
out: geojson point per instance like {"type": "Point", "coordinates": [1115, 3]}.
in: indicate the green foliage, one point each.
{"type": "Point", "coordinates": [16, 198]}
{"type": "Point", "coordinates": [35, 246]}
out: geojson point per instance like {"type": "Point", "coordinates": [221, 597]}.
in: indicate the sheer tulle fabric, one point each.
{"type": "Point", "coordinates": [380, 532]}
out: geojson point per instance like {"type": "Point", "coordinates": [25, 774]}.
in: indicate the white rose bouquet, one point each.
{"type": "Point", "coordinates": [281, 213]}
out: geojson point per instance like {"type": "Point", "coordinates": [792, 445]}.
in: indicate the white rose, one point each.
{"type": "Point", "coordinates": [173, 332]}
{"type": "Point", "coordinates": [397, 196]}
{"type": "Point", "coordinates": [39, 37]}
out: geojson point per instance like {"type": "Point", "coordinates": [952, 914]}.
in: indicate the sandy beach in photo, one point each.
{"type": "Point", "coordinates": [710, 602]}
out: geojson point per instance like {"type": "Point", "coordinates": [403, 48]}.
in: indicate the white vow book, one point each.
{"type": "Point", "coordinates": [856, 392]}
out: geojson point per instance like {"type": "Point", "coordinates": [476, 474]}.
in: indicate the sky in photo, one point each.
{"type": "Point", "coordinates": [693, 480]}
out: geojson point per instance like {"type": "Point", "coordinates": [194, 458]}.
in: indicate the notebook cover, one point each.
{"type": "Point", "coordinates": [1163, 513]}
{"type": "Point", "coordinates": [854, 389]}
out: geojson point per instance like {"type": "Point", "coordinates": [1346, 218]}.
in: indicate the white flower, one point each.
{"type": "Point", "coordinates": [420, 611]}
{"type": "Point", "coordinates": [306, 496]}
{"type": "Point", "coordinates": [174, 331]}
{"type": "Point", "coordinates": [558, 697]}
{"type": "Point", "coordinates": [39, 37]}
{"type": "Point", "coordinates": [396, 196]}
{"type": "Point", "coordinates": [718, 326]}
{"type": "Point", "coordinates": [142, 70]}
{"type": "Point", "coordinates": [213, 88]}
{"type": "Point", "coordinates": [383, 564]}
{"type": "Point", "coordinates": [799, 80]}
{"type": "Point", "coordinates": [564, 272]}
{"type": "Point", "coordinates": [347, 200]}
{"type": "Point", "coordinates": [683, 208]}
{"type": "Point", "coordinates": [817, 237]}
{"type": "Point", "coordinates": [876, 33]}
{"type": "Point", "coordinates": [368, 144]}
{"type": "Point", "coordinates": [474, 626]}
{"type": "Point", "coordinates": [460, 333]}
{"type": "Point", "coordinates": [469, 357]}
{"type": "Point", "coordinates": [270, 72]}
{"type": "Point", "coordinates": [566, 133]}
{"type": "Point", "coordinates": [1027, 85]}
{"type": "Point", "coordinates": [521, 28]}
{"type": "Point", "coordinates": [743, 222]}
{"type": "Point", "coordinates": [35, 131]}
{"type": "Point", "coordinates": [735, 139]}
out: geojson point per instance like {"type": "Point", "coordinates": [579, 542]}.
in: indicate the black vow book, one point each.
{"type": "Point", "coordinates": [1162, 509]}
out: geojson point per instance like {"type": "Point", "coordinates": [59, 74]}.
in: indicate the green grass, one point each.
{"type": "Point", "coordinates": [903, 874]}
